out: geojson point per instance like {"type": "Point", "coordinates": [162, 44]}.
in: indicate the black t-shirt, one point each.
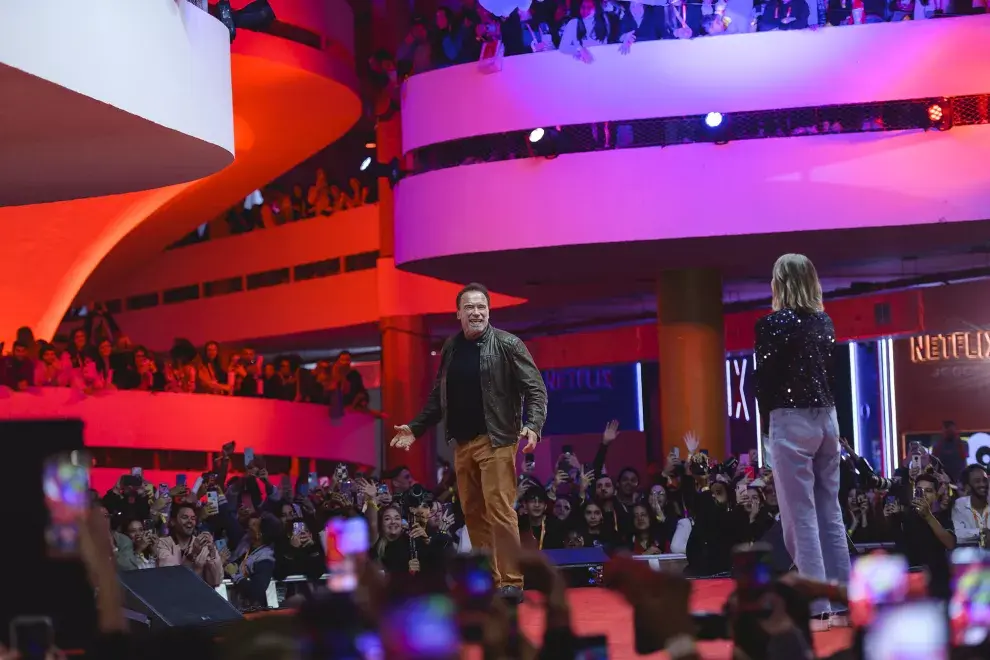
{"type": "Point", "coordinates": [922, 548]}
{"type": "Point", "coordinates": [465, 403]}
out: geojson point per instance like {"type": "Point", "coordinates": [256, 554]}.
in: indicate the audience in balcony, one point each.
{"type": "Point", "coordinates": [573, 26]}
{"type": "Point", "coordinates": [17, 371]}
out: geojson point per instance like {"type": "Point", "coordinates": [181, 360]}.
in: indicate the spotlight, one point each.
{"type": "Point", "coordinates": [939, 113]}
{"type": "Point", "coordinates": [374, 170]}
{"type": "Point", "coordinates": [713, 119]}
{"type": "Point", "coordinates": [545, 142]}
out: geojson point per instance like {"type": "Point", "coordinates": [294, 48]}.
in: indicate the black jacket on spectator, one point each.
{"type": "Point", "coordinates": [716, 530]}
{"type": "Point", "coordinates": [513, 27]}
{"type": "Point", "coordinates": [432, 555]}
{"type": "Point", "coordinates": [305, 560]}
{"type": "Point", "coordinates": [553, 533]}
{"type": "Point", "coordinates": [650, 29]}
{"type": "Point", "coordinates": [915, 539]}
{"type": "Point", "coordinates": [777, 11]}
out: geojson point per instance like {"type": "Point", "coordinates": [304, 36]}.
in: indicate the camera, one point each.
{"type": "Point", "coordinates": [417, 496]}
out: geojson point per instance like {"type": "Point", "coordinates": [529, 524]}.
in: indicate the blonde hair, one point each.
{"type": "Point", "coordinates": [795, 284]}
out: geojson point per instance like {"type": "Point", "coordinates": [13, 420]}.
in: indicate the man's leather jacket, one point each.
{"type": "Point", "coordinates": [510, 381]}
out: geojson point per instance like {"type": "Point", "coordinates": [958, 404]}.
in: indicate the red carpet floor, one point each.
{"type": "Point", "coordinates": [602, 612]}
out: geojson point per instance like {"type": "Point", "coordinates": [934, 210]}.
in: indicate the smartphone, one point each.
{"type": "Point", "coordinates": [137, 472]}
{"type": "Point", "coordinates": [420, 628]}
{"type": "Point", "coordinates": [304, 490]}
{"type": "Point", "coordinates": [314, 480]}
{"type": "Point", "coordinates": [470, 583]}
{"type": "Point", "coordinates": [676, 452]}
{"type": "Point", "coordinates": [917, 630]}
{"type": "Point", "coordinates": [163, 489]}
{"type": "Point", "coordinates": [346, 538]}
{"type": "Point", "coordinates": [877, 580]}
{"type": "Point", "coordinates": [919, 493]}
{"type": "Point", "coordinates": [131, 481]}
{"type": "Point", "coordinates": [248, 457]}
{"type": "Point", "coordinates": [529, 462]}
{"type": "Point", "coordinates": [752, 569]}
{"type": "Point", "coordinates": [32, 637]}
{"type": "Point", "coordinates": [969, 607]}
{"type": "Point", "coordinates": [593, 647]}
{"type": "Point", "coordinates": [220, 543]}
{"type": "Point", "coordinates": [704, 451]}
{"type": "Point", "coordinates": [247, 502]}
{"type": "Point", "coordinates": [324, 482]}
{"type": "Point", "coordinates": [298, 528]}
{"type": "Point", "coordinates": [213, 502]}
{"type": "Point", "coordinates": [180, 480]}
{"type": "Point", "coordinates": [211, 479]}
{"type": "Point", "coordinates": [65, 481]}
{"type": "Point", "coordinates": [567, 450]}
{"type": "Point", "coordinates": [890, 500]}
{"type": "Point", "coordinates": [916, 462]}
{"type": "Point", "coordinates": [382, 489]}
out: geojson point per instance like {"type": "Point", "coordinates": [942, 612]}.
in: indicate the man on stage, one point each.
{"type": "Point", "coordinates": [486, 379]}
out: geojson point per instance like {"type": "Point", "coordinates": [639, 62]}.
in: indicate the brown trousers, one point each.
{"type": "Point", "coordinates": [486, 484]}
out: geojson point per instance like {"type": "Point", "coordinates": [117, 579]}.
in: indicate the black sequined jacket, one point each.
{"type": "Point", "coordinates": [794, 361]}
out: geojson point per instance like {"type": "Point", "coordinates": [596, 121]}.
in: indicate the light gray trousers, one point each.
{"type": "Point", "coordinates": [804, 448]}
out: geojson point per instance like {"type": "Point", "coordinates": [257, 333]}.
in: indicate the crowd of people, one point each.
{"type": "Point", "coordinates": [457, 36]}
{"type": "Point", "coordinates": [696, 507]}
{"type": "Point", "coordinates": [97, 358]}
{"type": "Point", "coordinates": [276, 205]}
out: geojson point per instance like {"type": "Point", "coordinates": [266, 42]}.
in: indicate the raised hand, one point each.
{"type": "Point", "coordinates": [692, 442]}
{"type": "Point", "coordinates": [611, 432]}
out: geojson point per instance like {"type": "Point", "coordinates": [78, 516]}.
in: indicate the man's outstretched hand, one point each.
{"type": "Point", "coordinates": [529, 435]}
{"type": "Point", "coordinates": [403, 437]}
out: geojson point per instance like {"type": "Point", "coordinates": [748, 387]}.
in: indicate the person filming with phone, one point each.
{"type": "Point", "coordinates": [922, 533]}
{"type": "Point", "coordinates": [487, 378]}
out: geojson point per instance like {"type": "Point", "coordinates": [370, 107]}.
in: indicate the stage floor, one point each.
{"type": "Point", "coordinates": [603, 612]}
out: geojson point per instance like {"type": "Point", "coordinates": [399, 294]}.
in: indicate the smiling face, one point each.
{"type": "Point", "coordinates": [391, 523]}
{"type": "Point", "coordinates": [473, 313]}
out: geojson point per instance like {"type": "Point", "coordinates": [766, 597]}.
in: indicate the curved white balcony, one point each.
{"type": "Point", "coordinates": [109, 98]}
{"type": "Point", "coordinates": [729, 73]}
{"type": "Point", "coordinates": [200, 422]}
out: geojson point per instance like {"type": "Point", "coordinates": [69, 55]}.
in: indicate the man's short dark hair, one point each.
{"type": "Point", "coordinates": [20, 344]}
{"type": "Point", "coordinates": [474, 286]}
{"type": "Point", "coordinates": [930, 478]}
{"type": "Point", "coordinates": [968, 472]}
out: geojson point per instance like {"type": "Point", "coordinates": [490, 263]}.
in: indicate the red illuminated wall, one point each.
{"type": "Point", "coordinates": [200, 422]}
{"type": "Point", "coordinates": [863, 318]}
{"type": "Point", "coordinates": [933, 388]}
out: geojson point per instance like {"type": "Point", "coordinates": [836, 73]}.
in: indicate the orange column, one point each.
{"type": "Point", "coordinates": [406, 376]}
{"type": "Point", "coordinates": [692, 360]}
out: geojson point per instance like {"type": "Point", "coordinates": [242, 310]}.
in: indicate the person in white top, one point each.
{"type": "Point", "coordinates": [971, 514]}
{"type": "Point", "coordinates": [593, 27]}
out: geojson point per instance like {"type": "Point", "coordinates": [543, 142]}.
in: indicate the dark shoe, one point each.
{"type": "Point", "coordinates": [512, 594]}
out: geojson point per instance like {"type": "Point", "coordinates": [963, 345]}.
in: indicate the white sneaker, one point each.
{"type": "Point", "coordinates": [820, 623]}
{"type": "Point", "coordinates": [839, 620]}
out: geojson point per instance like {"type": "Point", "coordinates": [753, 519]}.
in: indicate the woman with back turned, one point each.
{"type": "Point", "coordinates": [795, 388]}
